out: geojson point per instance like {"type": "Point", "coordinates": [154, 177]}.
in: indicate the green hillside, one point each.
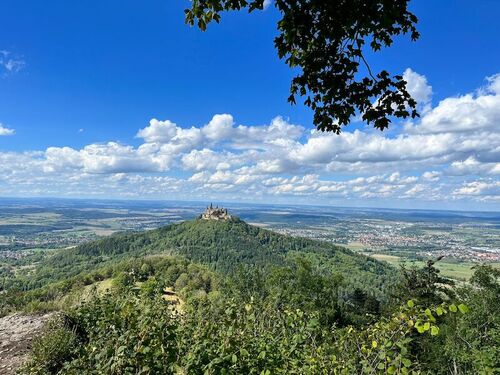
{"type": "Point", "coordinates": [224, 246]}
{"type": "Point", "coordinates": [214, 297]}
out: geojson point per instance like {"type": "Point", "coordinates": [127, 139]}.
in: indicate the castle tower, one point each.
{"type": "Point", "coordinates": [216, 213]}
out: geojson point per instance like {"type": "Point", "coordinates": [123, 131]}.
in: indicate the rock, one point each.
{"type": "Point", "coordinates": [16, 335]}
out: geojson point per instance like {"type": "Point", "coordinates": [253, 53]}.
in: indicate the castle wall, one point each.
{"type": "Point", "coordinates": [215, 214]}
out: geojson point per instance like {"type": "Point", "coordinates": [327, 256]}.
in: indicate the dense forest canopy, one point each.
{"type": "Point", "coordinates": [225, 246]}
{"type": "Point", "coordinates": [214, 297]}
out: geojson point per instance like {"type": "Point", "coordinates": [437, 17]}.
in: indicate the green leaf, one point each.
{"type": "Point", "coordinates": [406, 362]}
{"type": "Point", "coordinates": [381, 366]}
{"type": "Point", "coordinates": [420, 329]}
{"type": "Point", "coordinates": [121, 349]}
{"type": "Point", "coordinates": [234, 358]}
{"type": "Point", "coordinates": [307, 24]}
{"type": "Point", "coordinates": [439, 311]}
{"type": "Point", "coordinates": [374, 344]}
{"type": "Point", "coordinates": [313, 323]}
{"type": "Point", "coordinates": [427, 326]}
{"type": "Point", "coordinates": [463, 308]}
{"type": "Point", "coordinates": [410, 303]}
{"type": "Point", "coordinates": [434, 330]}
{"type": "Point", "coordinates": [391, 370]}
{"type": "Point", "coordinates": [453, 308]}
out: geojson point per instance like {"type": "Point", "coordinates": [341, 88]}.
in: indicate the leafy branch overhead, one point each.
{"type": "Point", "coordinates": [327, 41]}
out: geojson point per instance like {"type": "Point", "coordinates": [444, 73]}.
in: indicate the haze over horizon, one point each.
{"type": "Point", "coordinates": [139, 105]}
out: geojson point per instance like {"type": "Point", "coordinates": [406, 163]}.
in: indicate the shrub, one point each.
{"type": "Point", "coordinates": [55, 346]}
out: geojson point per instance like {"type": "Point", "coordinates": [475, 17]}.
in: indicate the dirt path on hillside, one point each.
{"type": "Point", "coordinates": [16, 334]}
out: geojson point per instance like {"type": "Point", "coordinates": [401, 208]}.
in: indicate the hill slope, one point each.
{"type": "Point", "coordinates": [224, 245]}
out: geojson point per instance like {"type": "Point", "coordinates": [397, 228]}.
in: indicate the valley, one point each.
{"type": "Point", "coordinates": [208, 291]}
{"type": "Point", "coordinates": [35, 226]}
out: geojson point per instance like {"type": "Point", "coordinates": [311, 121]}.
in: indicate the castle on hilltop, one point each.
{"type": "Point", "coordinates": [215, 213]}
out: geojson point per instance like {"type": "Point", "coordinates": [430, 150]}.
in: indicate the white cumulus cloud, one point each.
{"type": "Point", "coordinates": [451, 152]}
{"type": "Point", "coordinates": [6, 131]}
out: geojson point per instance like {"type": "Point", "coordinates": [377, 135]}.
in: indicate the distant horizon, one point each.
{"type": "Point", "coordinates": [243, 203]}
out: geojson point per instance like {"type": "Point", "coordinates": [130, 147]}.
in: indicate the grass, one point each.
{"type": "Point", "coordinates": [458, 271]}
{"type": "Point", "coordinates": [355, 246]}
{"type": "Point", "coordinates": [100, 286]}
{"type": "Point", "coordinates": [392, 259]}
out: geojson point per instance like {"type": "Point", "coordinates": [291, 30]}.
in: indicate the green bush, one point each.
{"type": "Point", "coordinates": [127, 333]}
{"type": "Point", "coordinates": [52, 349]}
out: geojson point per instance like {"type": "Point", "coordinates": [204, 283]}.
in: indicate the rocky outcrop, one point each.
{"type": "Point", "coordinates": [16, 335]}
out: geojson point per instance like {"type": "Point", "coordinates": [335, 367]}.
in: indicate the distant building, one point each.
{"type": "Point", "coordinates": [215, 213]}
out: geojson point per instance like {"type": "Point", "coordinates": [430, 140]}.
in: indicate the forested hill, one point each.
{"type": "Point", "coordinates": [225, 245]}
{"type": "Point", "coordinates": [226, 297]}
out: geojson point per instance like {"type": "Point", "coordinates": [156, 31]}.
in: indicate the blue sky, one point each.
{"type": "Point", "coordinates": [78, 80]}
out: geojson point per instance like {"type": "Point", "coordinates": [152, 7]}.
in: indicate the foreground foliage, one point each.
{"type": "Point", "coordinates": [206, 297]}
{"type": "Point", "coordinates": [233, 328]}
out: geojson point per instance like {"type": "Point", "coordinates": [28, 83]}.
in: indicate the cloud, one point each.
{"type": "Point", "coordinates": [493, 84]}
{"type": "Point", "coordinates": [486, 190]}
{"type": "Point", "coordinates": [471, 166]}
{"type": "Point", "coordinates": [111, 157]}
{"type": "Point", "coordinates": [452, 152]}
{"type": "Point", "coordinates": [431, 176]}
{"type": "Point", "coordinates": [220, 129]}
{"type": "Point", "coordinates": [267, 3]}
{"type": "Point", "coordinates": [415, 191]}
{"type": "Point", "coordinates": [466, 113]}
{"type": "Point", "coordinates": [419, 89]}
{"type": "Point", "coordinates": [6, 131]}
{"type": "Point", "coordinates": [206, 159]}
{"type": "Point", "coordinates": [10, 63]}
{"type": "Point", "coordinates": [158, 131]}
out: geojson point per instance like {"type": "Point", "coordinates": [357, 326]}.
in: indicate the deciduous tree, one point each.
{"type": "Point", "coordinates": [326, 41]}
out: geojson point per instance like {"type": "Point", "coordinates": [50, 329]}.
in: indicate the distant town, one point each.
{"type": "Point", "coordinates": [415, 240]}
{"type": "Point", "coordinates": [395, 233]}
